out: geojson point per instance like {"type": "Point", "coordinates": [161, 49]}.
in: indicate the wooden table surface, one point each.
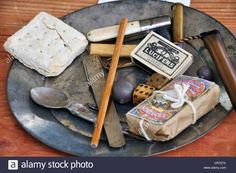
{"type": "Point", "coordinates": [14, 141]}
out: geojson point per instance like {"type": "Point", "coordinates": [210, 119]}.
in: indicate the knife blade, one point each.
{"type": "Point", "coordinates": [96, 79]}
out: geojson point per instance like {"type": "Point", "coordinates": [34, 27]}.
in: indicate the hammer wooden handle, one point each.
{"type": "Point", "coordinates": [108, 85]}
{"type": "Point", "coordinates": [215, 46]}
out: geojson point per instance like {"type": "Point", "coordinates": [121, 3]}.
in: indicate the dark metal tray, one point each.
{"type": "Point", "coordinates": [43, 123]}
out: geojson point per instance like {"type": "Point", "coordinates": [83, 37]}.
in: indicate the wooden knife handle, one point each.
{"type": "Point", "coordinates": [214, 43]}
{"type": "Point", "coordinates": [106, 50]}
{"type": "Point", "coordinates": [108, 86]}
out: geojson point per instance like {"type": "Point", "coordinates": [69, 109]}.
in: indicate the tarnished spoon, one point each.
{"type": "Point", "coordinates": [54, 98]}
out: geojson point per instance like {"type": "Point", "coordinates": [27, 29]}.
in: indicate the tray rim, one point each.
{"type": "Point", "coordinates": [73, 154]}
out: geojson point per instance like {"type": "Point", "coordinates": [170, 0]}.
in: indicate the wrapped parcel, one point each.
{"type": "Point", "coordinates": [168, 112]}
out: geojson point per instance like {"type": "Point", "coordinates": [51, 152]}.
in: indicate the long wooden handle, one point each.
{"type": "Point", "coordinates": [109, 83]}
{"type": "Point", "coordinates": [215, 46]}
{"type": "Point", "coordinates": [106, 50]}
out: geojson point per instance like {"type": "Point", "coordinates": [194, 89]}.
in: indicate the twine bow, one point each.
{"type": "Point", "coordinates": [181, 98]}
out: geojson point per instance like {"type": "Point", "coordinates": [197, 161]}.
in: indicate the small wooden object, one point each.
{"type": "Point", "coordinates": [106, 50]}
{"type": "Point", "coordinates": [157, 81]}
{"type": "Point", "coordinates": [141, 93]}
{"type": "Point", "coordinates": [178, 22]}
{"type": "Point", "coordinates": [109, 83]}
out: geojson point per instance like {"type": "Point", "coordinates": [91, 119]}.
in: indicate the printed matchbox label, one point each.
{"type": "Point", "coordinates": [161, 55]}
